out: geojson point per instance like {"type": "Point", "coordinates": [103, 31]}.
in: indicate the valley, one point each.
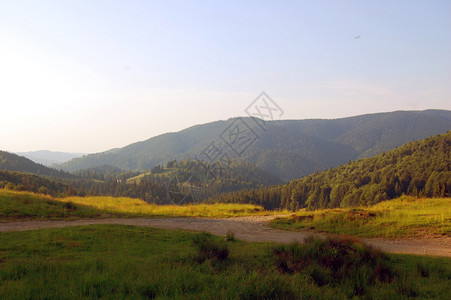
{"type": "Point", "coordinates": [248, 150]}
{"type": "Point", "coordinates": [389, 217]}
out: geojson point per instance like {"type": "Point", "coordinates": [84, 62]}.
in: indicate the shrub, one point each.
{"type": "Point", "coordinates": [230, 237]}
{"type": "Point", "coordinates": [70, 206]}
{"type": "Point", "coordinates": [335, 261]}
{"type": "Point", "coordinates": [422, 270]}
{"type": "Point", "coordinates": [209, 249]}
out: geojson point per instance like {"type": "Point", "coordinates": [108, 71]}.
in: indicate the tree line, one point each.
{"type": "Point", "coordinates": [421, 168]}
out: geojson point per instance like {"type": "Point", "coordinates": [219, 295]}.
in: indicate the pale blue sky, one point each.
{"type": "Point", "coordinates": [87, 76]}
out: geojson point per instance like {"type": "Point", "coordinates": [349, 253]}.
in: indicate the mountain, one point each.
{"type": "Point", "coordinates": [14, 162]}
{"type": "Point", "coordinates": [49, 158]}
{"type": "Point", "coordinates": [287, 148]}
{"type": "Point", "coordinates": [421, 168]}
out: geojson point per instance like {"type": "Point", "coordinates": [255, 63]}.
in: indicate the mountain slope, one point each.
{"type": "Point", "coordinates": [13, 162]}
{"type": "Point", "coordinates": [289, 148]}
{"type": "Point", "coordinates": [12, 180]}
{"type": "Point", "coordinates": [421, 168]}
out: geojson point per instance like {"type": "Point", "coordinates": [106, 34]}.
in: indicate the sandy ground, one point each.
{"type": "Point", "coordinates": [254, 228]}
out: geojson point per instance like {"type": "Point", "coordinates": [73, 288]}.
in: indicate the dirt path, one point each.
{"type": "Point", "coordinates": [255, 228]}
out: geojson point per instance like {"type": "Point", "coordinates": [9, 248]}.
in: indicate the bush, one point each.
{"type": "Point", "coordinates": [230, 237]}
{"type": "Point", "coordinates": [209, 249]}
{"type": "Point", "coordinates": [335, 261]}
{"type": "Point", "coordinates": [422, 270]}
{"type": "Point", "coordinates": [70, 206]}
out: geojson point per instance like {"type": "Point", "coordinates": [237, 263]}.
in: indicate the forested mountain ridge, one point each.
{"type": "Point", "coordinates": [421, 168]}
{"type": "Point", "coordinates": [152, 187]}
{"type": "Point", "coordinates": [288, 148]}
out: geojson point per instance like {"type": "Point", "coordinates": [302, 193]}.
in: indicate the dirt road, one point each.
{"type": "Point", "coordinates": [255, 228]}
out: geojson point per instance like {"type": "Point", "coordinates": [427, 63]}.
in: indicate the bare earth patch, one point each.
{"type": "Point", "coordinates": [252, 228]}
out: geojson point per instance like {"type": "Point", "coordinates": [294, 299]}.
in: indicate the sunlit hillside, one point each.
{"type": "Point", "coordinates": [405, 216]}
{"type": "Point", "coordinates": [16, 205]}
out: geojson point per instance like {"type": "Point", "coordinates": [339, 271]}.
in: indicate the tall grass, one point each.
{"type": "Point", "coordinates": [405, 216]}
{"type": "Point", "coordinates": [141, 208]}
{"type": "Point", "coordinates": [13, 205]}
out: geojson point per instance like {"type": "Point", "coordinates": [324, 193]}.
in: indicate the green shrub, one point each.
{"type": "Point", "coordinates": [209, 249]}
{"type": "Point", "coordinates": [335, 261]}
{"type": "Point", "coordinates": [230, 237]}
{"type": "Point", "coordinates": [70, 206]}
{"type": "Point", "coordinates": [422, 270]}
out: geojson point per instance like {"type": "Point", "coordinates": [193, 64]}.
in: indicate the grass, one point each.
{"type": "Point", "coordinates": [127, 262]}
{"type": "Point", "coordinates": [17, 205]}
{"type": "Point", "coordinates": [23, 205]}
{"type": "Point", "coordinates": [137, 207]}
{"type": "Point", "coordinates": [402, 217]}
{"type": "Point", "coordinates": [138, 178]}
{"type": "Point", "coordinates": [164, 172]}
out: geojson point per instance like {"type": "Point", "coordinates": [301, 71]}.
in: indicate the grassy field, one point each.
{"type": "Point", "coordinates": [17, 205]}
{"type": "Point", "coordinates": [126, 262]}
{"type": "Point", "coordinates": [141, 208]}
{"type": "Point", "coordinates": [402, 217]}
{"type": "Point", "coordinates": [24, 205]}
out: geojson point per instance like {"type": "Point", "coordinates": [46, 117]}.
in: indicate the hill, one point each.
{"type": "Point", "coordinates": [49, 158]}
{"type": "Point", "coordinates": [29, 182]}
{"type": "Point", "coordinates": [288, 149]}
{"type": "Point", "coordinates": [421, 168]}
{"type": "Point", "coordinates": [154, 186]}
{"type": "Point", "coordinates": [13, 162]}
{"type": "Point", "coordinates": [16, 205]}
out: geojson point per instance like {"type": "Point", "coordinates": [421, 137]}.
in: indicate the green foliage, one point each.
{"type": "Point", "coordinates": [28, 182]}
{"type": "Point", "coordinates": [230, 236]}
{"type": "Point", "coordinates": [151, 186]}
{"type": "Point", "coordinates": [335, 261]}
{"type": "Point", "coordinates": [421, 168]}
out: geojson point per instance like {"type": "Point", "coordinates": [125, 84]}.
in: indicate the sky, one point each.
{"type": "Point", "coordinates": [87, 76]}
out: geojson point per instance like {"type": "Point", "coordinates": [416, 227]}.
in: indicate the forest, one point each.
{"type": "Point", "coordinates": [150, 186]}
{"type": "Point", "coordinates": [421, 168]}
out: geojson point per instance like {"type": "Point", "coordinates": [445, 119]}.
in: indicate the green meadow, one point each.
{"type": "Point", "coordinates": [402, 217]}
{"type": "Point", "coordinates": [126, 262]}
{"type": "Point", "coordinates": [15, 205]}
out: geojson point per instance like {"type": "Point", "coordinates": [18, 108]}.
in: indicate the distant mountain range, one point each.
{"type": "Point", "coordinates": [287, 148]}
{"type": "Point", "coordinates": [13, 162]}
{"type": "Point", "coordinates": [49, 158]}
